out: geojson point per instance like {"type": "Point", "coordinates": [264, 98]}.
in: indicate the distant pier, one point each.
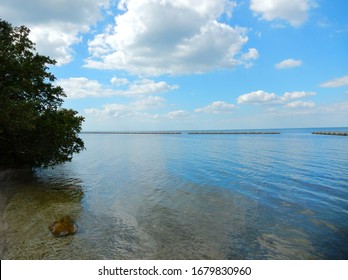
{"type": "Point", "coordinates": [336, 133]}
{"type": "Point", "coordinates": [131, 132]}
{"type": "Point", "coordinates": [179, 132]}
{"type": "Point", "coordinates": [234, 132]}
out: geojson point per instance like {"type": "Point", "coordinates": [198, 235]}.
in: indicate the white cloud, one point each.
{"type": "Point", "coordinates": [82, 87]}
{"type": "Point", "coordinates": [55, 40]}
{"type": "Point", "coordinates": [256, 97]}
{"type": "Point", "coordinates": [263, 97]}
{"type": "Point", "coordinates": [119, 81]}
{"type": "Point", "coordinates": [154, 37]}
{"type": "Point", "coordinates": [149, 102]}
{"type": "Point", "coordinates": [139, 111]}
{"type": "Point", "coordinates": [249, 56]}
{"type": "Point", "coordinates": [288, 63]}
{"type": "Point", "coordinates": [252, 54]}
{"type": "Point", "coordinates": [336, 108]}
{"type": "Point", "coordinates": [146, 86]}
{"type": "Point", "coordinates": [56, 24]}
{"type": "Point", "coordinates": [297, 95]}
{"type": "Point", "coordinates": [338, 82]}
{"type": "Point", "coordinates": [179, 114]}
{"type": "Point", "coordinates": [328, 115]}
{"type": "Point", "coordinates": [217, 107]}
{"type": "Point", "coordinates": [300, 104]}
{"type": "Point", "coordinates": [295, 11]}
{"type": "Point", "coordinates": [134, 109]}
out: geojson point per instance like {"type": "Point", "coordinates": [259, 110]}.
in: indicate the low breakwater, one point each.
{"type": "Point", "coordinates": [335, 133]}
{"type": "Point", "coordinates": [133, 132]}
{"type": "Point", "coordinates": [179, 132]}
{"type": "Point", "coordinates": [234, 132]}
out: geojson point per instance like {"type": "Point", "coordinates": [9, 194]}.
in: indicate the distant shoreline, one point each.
{"type": "Point", "coordinates": [131, 132]}
{"type": "Point", "coordinates": [179, 132]}
{"type": "Point", "coordinates": [213, 132]}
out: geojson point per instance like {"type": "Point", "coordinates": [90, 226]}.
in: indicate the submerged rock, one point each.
{"type": "Point", "coordinates": [64, 226]}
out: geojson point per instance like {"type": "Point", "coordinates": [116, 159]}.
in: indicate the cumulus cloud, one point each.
{"type": "Point", "coordinates": [139, 110]}
{"type": "Point", "coordinates": [297, 95]}
{"type": "Point", "coordinates": [133, 109]}
{"type": "Point", "coordinates": [217, 107]}
{"type": "Point", "coordinates": [56, 24]}
{"type": "Point", "coordinates": [295, 11]}
{"type": "Point", "coordinates": [263, 97]}
{"type": "Point", "coordinates": [55, 40]}
{"type": "Point", "coordinates": [178, 114]}
{"type": "Point", "coordinates": [252, 54]}
{"type": "Point", "coordinates": [154, 37]}
{"type": "Point", "coordinates": [249, 56]}
{"type": "Point", "coordinates": [256, 97]}
{"type": "Point", "coordinates": [300, 104]}
{"type": "Point", "coordinates": [288, 63]}
{"type": "Point", "coordinates": [82, 87]}
{"type": "Point", "coordinates": [149, 102]}
{"type": "Point", "coordinates": [338, 82]}
{"type": "Point", "coordinates": [115, 81]}
{"type": "Point", "coordinates": [147, 86]}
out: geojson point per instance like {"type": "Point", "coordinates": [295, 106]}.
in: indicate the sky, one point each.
{"type": "Point", "coordinates": [194, 64]}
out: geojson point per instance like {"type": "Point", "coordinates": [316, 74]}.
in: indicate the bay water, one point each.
{"type": "Point", "coordinates": [152, 196]}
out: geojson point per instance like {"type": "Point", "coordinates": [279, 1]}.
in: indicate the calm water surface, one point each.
{"type": "Point", "coordinates": [185, 197]}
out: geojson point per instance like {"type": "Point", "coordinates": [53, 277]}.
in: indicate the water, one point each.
{"type": "Point", "coordinates": [185, 197]}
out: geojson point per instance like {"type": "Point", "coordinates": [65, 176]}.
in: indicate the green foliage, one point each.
{"type": "Point", "coordinates": [34, 130]}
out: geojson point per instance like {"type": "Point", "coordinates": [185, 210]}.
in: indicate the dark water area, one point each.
{"type": "Point", "coordinates": [185, 197]}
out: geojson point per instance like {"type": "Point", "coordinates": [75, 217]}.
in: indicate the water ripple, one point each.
{"type": "Point", "coordinates": [189, 197]}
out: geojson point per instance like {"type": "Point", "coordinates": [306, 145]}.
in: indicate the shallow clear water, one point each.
{"type": "Point", "coordinates": [186, 197]}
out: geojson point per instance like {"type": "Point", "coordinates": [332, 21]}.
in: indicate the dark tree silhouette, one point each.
{"type": "Point", "coordinates": [34, 130]}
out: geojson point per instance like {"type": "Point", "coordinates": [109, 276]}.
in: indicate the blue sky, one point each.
{"type": "Point", "coordinates": [195, 64]}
